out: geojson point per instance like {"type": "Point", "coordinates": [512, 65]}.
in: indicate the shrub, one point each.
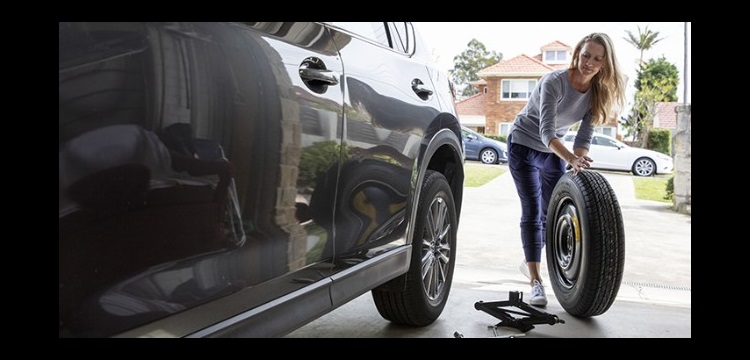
{"type": "Point", "coordinates": [502, 138]}
{"type": "Point", "coordinates": [660, 139]}
{"type": "Point", "coordinates": [669, 189]}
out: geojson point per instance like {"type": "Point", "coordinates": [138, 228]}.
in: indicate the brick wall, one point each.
{"type": "Point", "coordinates": [497, 111]}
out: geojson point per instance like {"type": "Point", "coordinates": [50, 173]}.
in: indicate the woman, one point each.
{"type": "Point", "coordinates": [589, 91]}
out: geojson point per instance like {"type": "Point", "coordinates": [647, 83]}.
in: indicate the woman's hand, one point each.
{"type": "Point", "coordinates": [578, 159]}
{"type": "Point", "coordinates": [578, 163]}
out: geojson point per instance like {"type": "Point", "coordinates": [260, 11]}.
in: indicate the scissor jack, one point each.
{"type": "Point", "coordinates": [529, 315]}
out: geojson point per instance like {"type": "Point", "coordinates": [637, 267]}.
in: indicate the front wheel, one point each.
{"type": "Point", "coordinates": [585, 243]}
{"type": "Point", "coordinates": [644, 167]}
{"type": "Point", "coordinates": [418, 297]}
{"type": "Point", "coordinates": [488, 156]}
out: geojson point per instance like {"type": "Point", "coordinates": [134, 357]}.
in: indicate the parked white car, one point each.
{"type": "Point", "coordinates": [611, 154]}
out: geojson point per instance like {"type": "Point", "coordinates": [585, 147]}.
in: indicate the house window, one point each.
{"type": "Point", "coordinates": [504, 127]}
{"type": "Point", "coordinates": [517, 89]}
{"type": "Point", "coordinates": [556, 56]}
{"type": "Point", "coordinates": [609, 131]}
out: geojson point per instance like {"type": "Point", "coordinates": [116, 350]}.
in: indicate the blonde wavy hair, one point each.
{"type": "Point", "coordinates": [608, 84]}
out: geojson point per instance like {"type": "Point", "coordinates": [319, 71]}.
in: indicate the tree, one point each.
{"type": "Point", "coordinates": [644, 41]}
{"type": "Point", "coordinates": [650, 85]}
{"type": "Point", "coordinates": [656, 81]}
{"type": "Point", "coordinates": [662, 72]}
{"type": "Point", "coordinates": [468, 63]}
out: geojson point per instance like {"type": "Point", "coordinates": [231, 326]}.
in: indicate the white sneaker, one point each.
{"type": "Point", "coordinates": [538, 298]}
{"type": "Point", "coordinates": [524, 269]}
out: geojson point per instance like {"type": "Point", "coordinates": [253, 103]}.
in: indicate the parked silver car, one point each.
{"type": "Point", "coordinates": [484, 149]}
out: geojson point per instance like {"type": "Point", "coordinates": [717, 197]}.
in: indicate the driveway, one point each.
{"type": "Point", "coordinates": [657, 239]}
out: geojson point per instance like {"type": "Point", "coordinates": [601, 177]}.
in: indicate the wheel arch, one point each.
{"type": "Point", "coordinates": [442, 151]}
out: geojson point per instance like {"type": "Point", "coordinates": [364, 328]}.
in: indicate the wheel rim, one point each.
{"type": "Point", "coordinates": [488, 157]}
{"type": "Point", "coordinates": [644, 167]}
{"type": "Point", "coordinates": [566, 245]}
{"type": "Point", "coordinates": [436, 249]}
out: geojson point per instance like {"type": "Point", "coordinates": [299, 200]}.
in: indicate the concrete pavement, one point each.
{"type": "Point", "coordinates": [654, 299]}
{"type": "Point", "coordinates": [657, 241]}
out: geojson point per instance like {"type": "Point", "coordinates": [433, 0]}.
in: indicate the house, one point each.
{"type": "Point", "coordinates": [504, 89]}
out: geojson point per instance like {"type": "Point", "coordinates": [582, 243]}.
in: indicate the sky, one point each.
{"type": "Point", "coordinates": [447, 39]}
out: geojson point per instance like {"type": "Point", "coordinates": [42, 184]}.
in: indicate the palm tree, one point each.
{"type": "Point", "coordinates": [644, 41]}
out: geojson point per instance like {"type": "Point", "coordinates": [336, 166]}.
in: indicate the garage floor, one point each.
{"type": "Point", "coordinates": [625, 319]}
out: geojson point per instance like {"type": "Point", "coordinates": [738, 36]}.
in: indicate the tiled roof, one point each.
{"type": "Point", "coordinates": [476, 83]}
{"type": "Point", "coordinates": [473, 105]}
{"type": "Point", "coordinates": [666, 117]}
{"type": "Point", "coordinates": [519, 65]}
{"type": "Point", "coordinates": [538, 57]}
{"type": "Point", "coordinates": [556, 45]}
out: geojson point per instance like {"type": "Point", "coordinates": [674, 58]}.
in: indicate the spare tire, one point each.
{"type": "Point", "coordinates": [585, 243]}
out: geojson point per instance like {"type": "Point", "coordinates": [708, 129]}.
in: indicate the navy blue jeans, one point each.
{"type": "Point", "coordinates": [535, 173]}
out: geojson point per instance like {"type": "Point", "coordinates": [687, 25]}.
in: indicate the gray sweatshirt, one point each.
{"type": "Point", "coordinates": [554, 106]}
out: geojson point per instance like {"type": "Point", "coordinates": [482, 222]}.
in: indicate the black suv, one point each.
{"type": "Point", "coordinates": [244, 179]}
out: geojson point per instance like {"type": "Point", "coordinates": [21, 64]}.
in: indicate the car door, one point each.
{"type": "Point", "coordinates": [608, 155]}
{"type": "Point", "coordinates": [388, 108]}
{"type": "Point", "coordinates": [188, 156]}
{"type": "Point", "coordinates": [470, 144]}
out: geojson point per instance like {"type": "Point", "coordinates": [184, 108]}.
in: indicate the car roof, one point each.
{"type": "Point", "coordinates": [572, 132]}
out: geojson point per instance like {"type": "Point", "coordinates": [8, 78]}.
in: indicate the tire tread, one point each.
{"type": "Point", "coordinates": [606, 247]}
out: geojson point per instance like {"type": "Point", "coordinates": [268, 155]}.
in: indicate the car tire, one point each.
{"type": "Point", "coordinates": [644, 167]}
{"type": "Point", "coordinates": [488, 156]}
{"type": "Point", "coordinates": [585, 243]}
{"type": "Point", "coordinates": [417, 298]}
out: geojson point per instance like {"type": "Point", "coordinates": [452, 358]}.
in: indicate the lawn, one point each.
{"type": "Point", "coordinates": [480, 174]}
{"type": "Point", "coordinates": [651, 188]}
{"type": "Point", "coordinates": [646, 188]}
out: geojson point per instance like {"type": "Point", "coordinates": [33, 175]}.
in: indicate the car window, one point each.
{"type": "Point", "coordinates": [401, 34]}
{"type": "Point", "coordinates": [403, 41]}
{"type": "Point", "coordinates": [604, 141]}
{"type": "Point", "coordinates": [374, 31]}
